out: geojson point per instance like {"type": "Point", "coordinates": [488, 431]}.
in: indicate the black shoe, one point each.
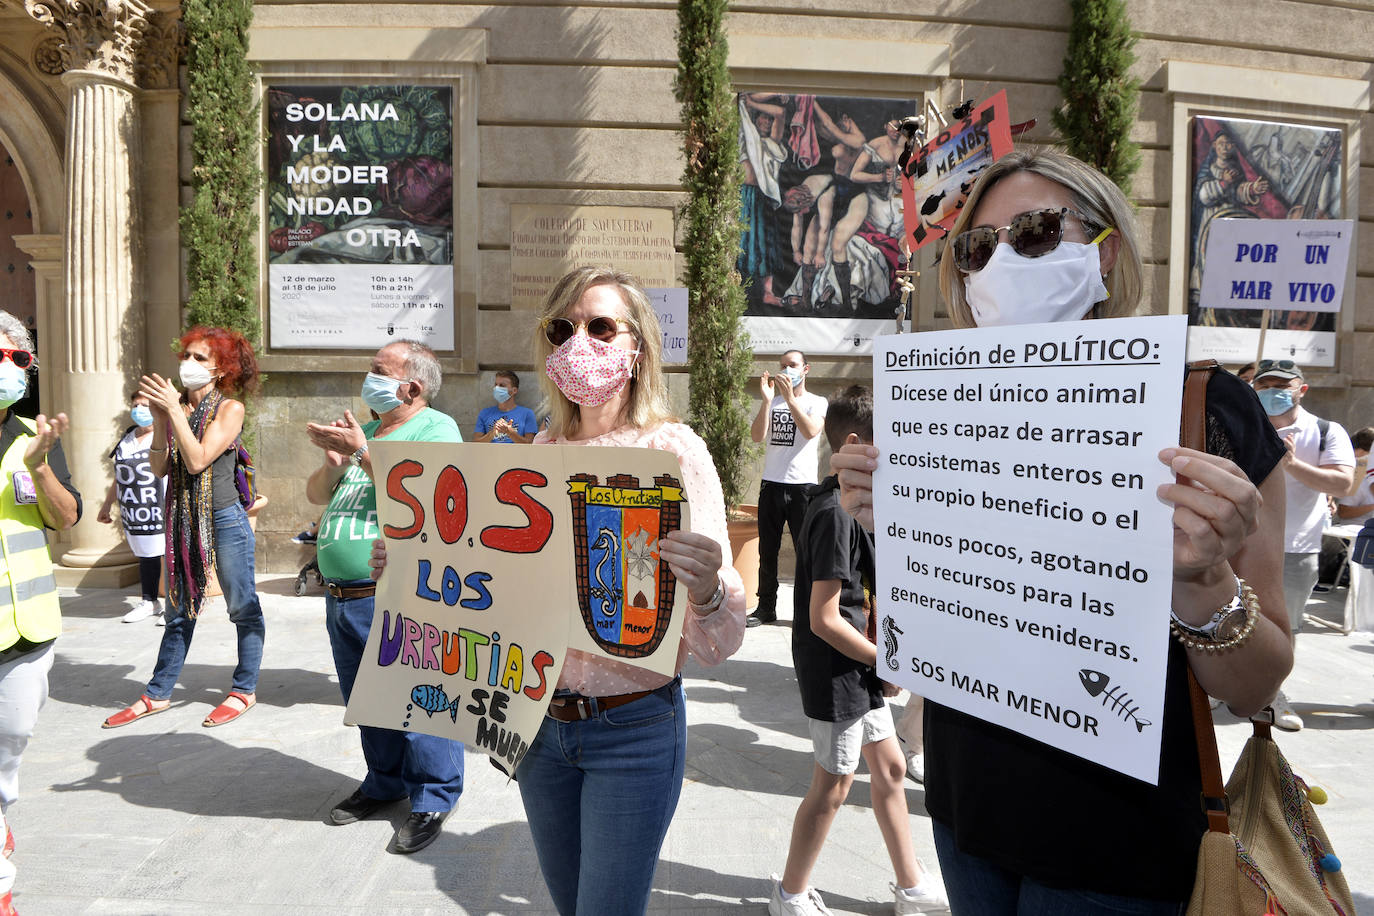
{"type": "Point", "coordinates": [756, 619]}
{"type": "Point", "coordinates": [355, 808]}
{"type": "Point", "coordinates": [419, 830]}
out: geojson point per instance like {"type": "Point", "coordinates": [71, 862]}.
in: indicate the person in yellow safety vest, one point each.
{"type": "Point", "coordinates": [36, 492]}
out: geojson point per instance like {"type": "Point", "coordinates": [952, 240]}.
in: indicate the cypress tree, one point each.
{"type": "Point", "coordinates": [1100, 95]}
{"type": "Point", "coordinates": [719, 358]}
{"type": "Point", "coordinates": [220, 224]}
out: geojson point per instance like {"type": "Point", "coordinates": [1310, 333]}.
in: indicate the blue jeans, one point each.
{"type": "Point", "coordinates": [977, 887]}
{"type": "Point", "coordinates": [424, 768]}
{"type": "Point", "coordinates": [234, 567]}
{"type": "Point", "coordinates": [607, 785]}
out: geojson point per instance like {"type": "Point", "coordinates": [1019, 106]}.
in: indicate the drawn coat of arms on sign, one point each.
{"type": "Point", "coordinates": [624, 590]}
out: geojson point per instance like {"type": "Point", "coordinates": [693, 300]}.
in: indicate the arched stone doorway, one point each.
{"type": "Point", "coordinates": [32, 157]}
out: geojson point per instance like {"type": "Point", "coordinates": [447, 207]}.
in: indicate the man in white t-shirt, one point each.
{"type": "Point", "coordinates": [1320, 463]}
{"type": "Point", "coordinates": [1357, 506]}
{"type": "Point", "coordinates": [789, 422]}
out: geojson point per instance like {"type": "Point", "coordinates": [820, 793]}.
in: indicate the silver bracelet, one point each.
{"type": "Point", "coordinates": [712, 603]}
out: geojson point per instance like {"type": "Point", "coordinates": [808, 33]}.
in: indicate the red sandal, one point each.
{"type": "Point", "coordinates": [130, 713]}
{"type": "Point", "coordinates": [223, 714]}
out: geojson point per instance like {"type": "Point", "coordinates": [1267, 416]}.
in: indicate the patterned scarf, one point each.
{"type": "Point", "coordinates": [190, 518]}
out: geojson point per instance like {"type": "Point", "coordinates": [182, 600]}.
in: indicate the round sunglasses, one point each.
{"type": "Point", "coordinates": [603, 328]}
{"type": "Point", "coordinates": [1032, 234]}
{"type": "Point", "coordinates": [21, 358]}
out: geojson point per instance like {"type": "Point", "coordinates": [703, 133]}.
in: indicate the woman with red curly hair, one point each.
{"type": "Point", "coordinates": [195, 442]}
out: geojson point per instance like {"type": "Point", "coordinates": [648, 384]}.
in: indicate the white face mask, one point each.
{"type": "Point", "coordinates": [1060, 286]}
{"type": "Point", "coordinates": [194, 374]}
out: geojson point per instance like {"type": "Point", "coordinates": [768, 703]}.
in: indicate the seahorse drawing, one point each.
{"type": "Point", "coordinates": [1095, 682]}
{"type": "Point", "coordinates": [606, 592]}
{"type": "Point", "coordinates": [890, 633]}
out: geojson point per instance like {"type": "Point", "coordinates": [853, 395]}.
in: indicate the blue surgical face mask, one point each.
{"type": "Point", "coordinates": [142, 415]}
{"type": "Point", "coordinates": [1276, 401]}
{"type": "Point", "coordinates": [501, 393]}
{"type": "Point", "coordinates": [794, 375]}
{"type": "Point", "coordinates": [14, 383]}
{"type": "Point", "coordinates": [379, 392]}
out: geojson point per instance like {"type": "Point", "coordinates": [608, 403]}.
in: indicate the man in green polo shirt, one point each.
{"type": "Point", "coordinates": [426, 770]}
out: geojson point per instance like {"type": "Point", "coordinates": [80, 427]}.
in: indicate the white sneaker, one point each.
{"type": "Point", "coordinates": [141, 611]}
{"type": "Point", "coordinates": [1284, 716]}
{"type": "Point", "coordinates": [807, 903]}
{"type": "Point", "coordinates": [916, 767]}
{"type": "Point", "coordinates": [927, 899]}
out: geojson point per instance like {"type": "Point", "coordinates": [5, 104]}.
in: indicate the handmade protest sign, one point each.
{"type": "Point", "coordinates": [1024, 562]}
{"type": "Point", "coordinates": [941, 174]}
{"type": "Point", "coordinates": [494, 571]}
{"type": "Point", "coordinates": [1276, 264]}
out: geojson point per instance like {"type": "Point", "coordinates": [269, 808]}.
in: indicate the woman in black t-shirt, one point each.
{"type": "Point", "coordinates": [1020, 825]}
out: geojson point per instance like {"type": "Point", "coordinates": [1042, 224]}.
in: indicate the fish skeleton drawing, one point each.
{"type": "Point", "coordinates": [1116, 699]}
{"type": "Point", "coordinates": [431, 698]}
{"type": "Point", "coordinates": [607, 592]}
{"type": "Point", "coordinates": [890, 641]}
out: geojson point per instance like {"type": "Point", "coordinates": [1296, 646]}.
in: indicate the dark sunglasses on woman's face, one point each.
{"type": "Point", "coordinates": [21, 358]}
{"type": "Point", "coordinates": [603, 328]}
{"type": "Point", "coordinates": [1032, 234]}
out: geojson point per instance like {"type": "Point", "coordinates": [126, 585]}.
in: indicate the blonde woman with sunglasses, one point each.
{"type": "Point", "coordinates": [602, 778]}
{"type": "Point", "coordinates": [1044, 237]}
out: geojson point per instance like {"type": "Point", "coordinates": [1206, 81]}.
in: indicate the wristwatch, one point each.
{"type": "Point", "coordinates": [356, 459]}
{"type": "Point", "coordinates": [1229, 625]}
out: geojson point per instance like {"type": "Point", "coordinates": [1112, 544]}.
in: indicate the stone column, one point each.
{"type": "Point", "coordinates": [99, 344]}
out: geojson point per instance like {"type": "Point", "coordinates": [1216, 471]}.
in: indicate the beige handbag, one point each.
{"type": "Point", "coordinates": [1264, 851]}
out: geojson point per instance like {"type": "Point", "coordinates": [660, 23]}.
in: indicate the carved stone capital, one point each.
{"type": "Point", "coordinates": [47, 56]}
{"type": "Point", "coordinates": [99, 35]}
{"type": "Point", "coordinates": [164, 40]}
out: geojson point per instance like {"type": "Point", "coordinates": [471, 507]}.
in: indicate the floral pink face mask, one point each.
{"type": "Point", "coordinates": [590, 372]}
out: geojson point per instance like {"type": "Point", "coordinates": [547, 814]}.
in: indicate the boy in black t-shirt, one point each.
{"type": "Point", "coordinates": [842, 696]}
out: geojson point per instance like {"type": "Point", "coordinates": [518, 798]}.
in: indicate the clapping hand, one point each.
{"type": "Point", "coordinates": [338, 439]}
{"type": "Point", "coordinates": [46, 434]}
{"type": "Point", "coordinates": [162, 395]}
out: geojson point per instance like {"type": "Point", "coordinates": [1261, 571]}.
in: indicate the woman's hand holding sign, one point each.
{"type": "Point", "coordinates": [854, 464]}
{"type": "Point", "coordinates": [1215, 509]}
{"type": "Point", "coordinates": [696, 560]}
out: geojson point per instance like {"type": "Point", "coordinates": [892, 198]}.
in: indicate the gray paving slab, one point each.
{"type": "Point", "coordinates": [166, 818]}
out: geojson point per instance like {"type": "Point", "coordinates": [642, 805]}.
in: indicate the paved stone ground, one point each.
{"type": "Point", "coordinates": [166, 817]}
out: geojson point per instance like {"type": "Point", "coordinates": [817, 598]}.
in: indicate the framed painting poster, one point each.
{"type": "Point", "coordinates": [360, 215]}
{"type": "Point", "coordinates": [1245, 169]}
{"type": "Point", "coordinates": [822, 208]}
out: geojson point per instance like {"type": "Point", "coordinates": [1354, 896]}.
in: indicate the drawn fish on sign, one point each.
{"type": "Point", "coordinates": [890, 633]}
{"type": "Point", "coordinates": [431, 698]}
{"type": "Point", "coordinates": [1115, 699]}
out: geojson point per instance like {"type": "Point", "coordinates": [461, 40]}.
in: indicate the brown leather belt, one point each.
{"type": "Point", "coordinates": [351, 591]}
{"type": "Point", "coordinates": [577, 708]}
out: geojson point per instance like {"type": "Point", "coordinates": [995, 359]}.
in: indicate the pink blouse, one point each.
{"type": "Point", "coordinates": [712, 638]}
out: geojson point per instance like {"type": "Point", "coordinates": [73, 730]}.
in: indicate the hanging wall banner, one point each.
{"type": "Point", "coordinates": [360, 215]}
{"type": "Point", "coordinates": [1025, 565]}
{"type": "Point", "coordinates": [547, 241]}
{"type": "Point", "coordinates": [822, 214]}
{"type": "Point", "coordinates": [494, 572]}
{"type": "Point", "coordinates": [1264, 170]}
{"type": "Point", "coordinates": [941, 173]}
